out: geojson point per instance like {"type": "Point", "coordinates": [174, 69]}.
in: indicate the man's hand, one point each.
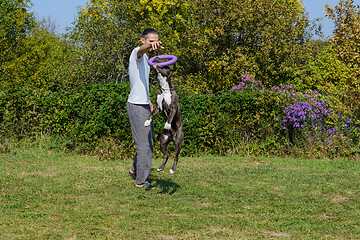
{"type": "Point", "coordinates": [155, 46]}
{"type": "Point", "coordinates": [151, 106]}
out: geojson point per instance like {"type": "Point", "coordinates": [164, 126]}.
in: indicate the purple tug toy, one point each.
{"type": "Point", "coordinates": [172, 58]}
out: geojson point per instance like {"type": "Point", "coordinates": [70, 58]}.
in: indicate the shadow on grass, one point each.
{"type": "Point", "coordinates": [165, 185]}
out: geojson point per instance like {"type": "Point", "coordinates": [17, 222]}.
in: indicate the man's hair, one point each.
{"type": "Point", "coordinates": [149, 31]}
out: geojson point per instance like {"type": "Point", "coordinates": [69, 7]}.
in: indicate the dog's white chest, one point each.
{"type": "Point", "coordinates": [166, 94]}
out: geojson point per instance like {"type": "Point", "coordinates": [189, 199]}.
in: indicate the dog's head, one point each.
{"type": "Point", "coordinates": [163, 71]}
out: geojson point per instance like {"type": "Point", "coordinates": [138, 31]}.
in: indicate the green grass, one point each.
{"type": "Point", "coordinates": [49, 195]}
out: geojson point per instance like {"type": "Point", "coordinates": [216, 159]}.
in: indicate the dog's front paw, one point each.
{"type": "Point", "coordinates": [147, 123]}
{"type": "Point", "coordinates": [167, 126]}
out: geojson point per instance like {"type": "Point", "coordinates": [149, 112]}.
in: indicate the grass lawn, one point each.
{"type": "Point", "coordinates": [50, 195]}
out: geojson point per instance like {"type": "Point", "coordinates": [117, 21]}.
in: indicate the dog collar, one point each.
{"type": "Point", "coordinates": [164, 90]}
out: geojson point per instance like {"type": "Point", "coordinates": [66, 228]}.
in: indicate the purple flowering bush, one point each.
{"type": "Point", "coordinates": [306, 118]}
{"type": "Point", "coordinates": [317, 122]}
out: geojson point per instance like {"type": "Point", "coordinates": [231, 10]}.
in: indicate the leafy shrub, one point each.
{"type": "Point", "coordinates": [87, 117]}
{"type": "Point", "coordinates": [247, 120]}
{"type": "Point", "coordinates": [241, 122]}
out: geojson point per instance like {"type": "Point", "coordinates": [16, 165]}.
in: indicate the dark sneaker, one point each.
{"type": "Point", "coordinates": [146, 185]}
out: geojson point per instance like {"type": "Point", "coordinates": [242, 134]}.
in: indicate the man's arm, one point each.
{"type": "Point", "coordinates": [147, 47]}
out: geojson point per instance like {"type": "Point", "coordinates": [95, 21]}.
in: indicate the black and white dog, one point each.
{"type": "Point", "coordinates": [167, 101]}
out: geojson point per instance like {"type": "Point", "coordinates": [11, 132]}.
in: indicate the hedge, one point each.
{"type": "Point", "coordinates": [247, 120]}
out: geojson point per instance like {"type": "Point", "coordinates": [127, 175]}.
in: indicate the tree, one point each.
{"type": "Point", "coordinates": [32, 54]}
{"type": "Point", "coordinates": [327, 73]}
{"type": "Point", "coordinates": [15, 23]}
{"type": "Point", "coordinates": [43, 62]}
{"type": "Point", "coordinates": [346, 37]}
{"type": "Point", "coordinates": [262, 38]}
{"type": "Point", "coordinates": [103, 34]}
{"type": "Point", "coordinates": [215, 41]}
{"type": "Point", "coordinates": [106, 31]}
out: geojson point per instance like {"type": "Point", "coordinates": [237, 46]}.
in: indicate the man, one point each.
{"type": "Point", "coordinates": [139, 107]}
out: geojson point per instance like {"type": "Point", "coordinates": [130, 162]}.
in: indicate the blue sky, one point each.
{"type": "Point", "coordinates": [63, 12]}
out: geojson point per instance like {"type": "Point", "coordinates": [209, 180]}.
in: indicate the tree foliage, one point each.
{"type": "Point", "coordinates": [41, 63]}
{"type": "Point", "coordinates": [326, 72]}
{"type": "Point", "coordinates": [31, 55]}
{"type": "Point", "coordinates": [263, 38]}
{"type": "Point", "coordinates": [15, 22]}
{"type": "Point", "coordinates": [106, 31]}
{"type": "Point", "coordinates": [346, 37]}
{"type": "Point", "coordinates": [103, 35]}
{"type": "Point", "coordinates": [215, 41]}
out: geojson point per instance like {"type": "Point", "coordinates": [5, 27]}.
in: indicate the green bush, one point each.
{"type": "Point", "coordinates": [246, 121]}
{"type": "Point", "coordinates": [86, 117]}
{"type": "Point", "coordinates": [241, 122]}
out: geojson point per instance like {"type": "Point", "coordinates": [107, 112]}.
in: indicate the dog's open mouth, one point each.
{"type": "Point", "coordinates": [157, 60]}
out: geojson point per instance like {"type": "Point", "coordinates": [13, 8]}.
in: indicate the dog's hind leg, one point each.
{"type": "Point", "coordinates": [178, 143]}
{"type": "Point", "coordinates": [164, 142]}
{"type": "Point", "coordinates": [163, 164]}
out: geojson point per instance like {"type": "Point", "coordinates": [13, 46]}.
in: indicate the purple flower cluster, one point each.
{"type": "Point", "coordinates": [249, 82]}
{"type": "Point", "coordinates": [309, 113]}
{"type": "Point", "coordinates": [296, 114]}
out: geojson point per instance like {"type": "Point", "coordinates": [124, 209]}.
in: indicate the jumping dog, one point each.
{"type": "Point", "coordinates": [167, 102]}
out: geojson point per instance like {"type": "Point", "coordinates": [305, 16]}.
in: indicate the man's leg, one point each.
{"type": "Point", "coordinates": [143, 138]}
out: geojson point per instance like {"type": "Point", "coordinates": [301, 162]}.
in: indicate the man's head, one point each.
{"type": "Point", "coordinates": [148, 31]}
{"type": "Point", "coordinates": [149, 36]}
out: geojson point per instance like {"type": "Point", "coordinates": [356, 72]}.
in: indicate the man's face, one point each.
{"type": "Point", "coordinates": [149, 39]}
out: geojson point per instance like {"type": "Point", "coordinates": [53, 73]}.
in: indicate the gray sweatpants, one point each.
{"type": "Point", "coordinates": [143, 138]}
